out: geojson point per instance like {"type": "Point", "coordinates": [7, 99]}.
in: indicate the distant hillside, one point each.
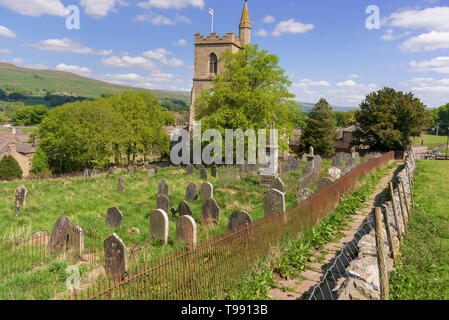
{"type": "Point", "coordinates": [40, 81]}
{"type": "Point", "coordinates": [307, 106]}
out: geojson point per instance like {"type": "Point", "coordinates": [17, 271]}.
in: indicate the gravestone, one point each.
{"type": "Point", "coordinates": [114, 218]}
{"type": "Point", "coordinates": [213, 171]}
{"type": "Point", "coordinates": [87, 173]}
{"type": "Point", "coordinates": [184, 209]}
{"type": "Point", "coordinates": [131, 169]}
{"type": "Point", "coordinates": [278, 185]}
{"type": "Point", "coordinates": [210, 213]}
{"type": "Point", "coordinates": [293, 163]}
{"type": "Point", "coordinates": [318, 161]}
{"type": "Point", "coordinates": [21, 193]}
{"type": "Point", "coordinates": [192, 192]}
{"type": "Point", "coordinates": [163, 203]}
{"type": "Point", "coordinates": [345, 171]}
{"type": "Point", "coordinates": [203, 174]}
{"type": "Point", "coordinates": [186, 231]}
{"type": "Point", "coordinates": [111, 170]}
{"type": "Point", "coordinates": [60, 234]}
{"type": "Point", "coordinates": [121, 184]}
{"type": "Point", "coordinates": [156, 169]}
{"type": "Point", "coordinates": [189, 170]}
{"type": "Point", "coordinates": [76, 240]}
{"type": "Point", "coordinates": [304, 194]}
{"type": "Point", "coordinates": [159, 225]}
{"type": "Point", "coordinates": [207, 191]}
{"type": "Point", "coordinates": [163, 188]}
{"type": "Point", "coordinates": [324, 182]}
{"type": "Point", "coordinates": [151, 173]}
{"type": "Point", "coordinates": [239, 219]}
{"type": "Point", "coordinates": [273, 202]}
{"type": "Point", "coordinates": [115, 257]}
{"type": "Point", "coordinates": [334, 173]}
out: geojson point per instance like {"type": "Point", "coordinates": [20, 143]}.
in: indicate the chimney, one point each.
{"type": "Point", "coordinates": [12, 149]}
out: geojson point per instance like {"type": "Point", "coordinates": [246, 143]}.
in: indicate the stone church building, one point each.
{"type": "Point", "coordinates": [207, 55]}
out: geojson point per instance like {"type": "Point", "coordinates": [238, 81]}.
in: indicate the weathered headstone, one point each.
{"type": "Point", "coordinates": [324, 182]}
{"type": "Point", "coordinates": [121, 184]}
{"type": "Point", "coordinates": [156, 169]}
{"type": "Point", "coordinates": [60, 234]}
{"type": "Point", "coordinates": [21, 193]}
{"type": "Point", "coordinates": [191, 192]}
{"type": "Point", "coordinates": [210, 213]}
{"type": "Point", "coordinates": [214, 171]}
{"type": "Point", "coordinates": [87, 173]}
{"type": "Point", "coordinates": [163, 188]}
{"type": "Point", "coordinates": [184, 209]}
{"type": "Point", "coordinates": [334, 173]}
{"type": "Point", "coordinates": [278, 185]}
{"type": "Point", "coordinates": [131, 169]}
{"type": "Point", "coordinates": [207, 191]}
{"type": "Point", "coordinates": [238, 219]}
{"type": "Point", "coordinates": [318, 161]}
{"type": "Point", "coordinates": [111, 170]}
{"type": "Point", "coordinates": [76, 240]}
{"type": "Point", "coordinates": [114, 218]}
{"type": "Point", "coordinates": [304, 194]}
{"type": "Point", "coordinates": [115, 257]}
{"type": "Point", "coordinates": [273, 202]}
{"type": "Point", "coordinates": [186, 231]}
{"type": "Point", "coordinates": [203, 174]}
{"type": "Point", "coordinates": [189, 169]}
{"type": "Point", "coordinates": [163, 203]}
{"type": "Point", "coordinates": [159, 225]}
{"type": "Point", "coordinates": [151, 173]}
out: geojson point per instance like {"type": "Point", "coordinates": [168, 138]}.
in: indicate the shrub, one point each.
{"type": "Point", "coordinates": [9, 168]}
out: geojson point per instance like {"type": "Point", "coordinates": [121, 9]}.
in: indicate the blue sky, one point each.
{"type": "Point", "coordinates": [324, 45]}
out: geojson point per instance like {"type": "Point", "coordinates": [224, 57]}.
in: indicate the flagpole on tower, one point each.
{"type": "Point", "coordinates": [212, 14]}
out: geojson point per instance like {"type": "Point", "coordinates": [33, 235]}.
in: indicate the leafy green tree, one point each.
{"type": "Point", "coordinates": [344, 119]}
{"type": "Point", "coordinates": [30, 115]}
{"type": "Point", "coordinates": [389, 119]}
{"type": "Point", "coordinates": [440, 117]}
{"type": "Point", "coordinates": [10, 168]}
{"type": "Point", "coordinates": [321, 129]}
{"type": "Point", "coordinates": [250, 89]}
{"type": "Point", "coordinates": [2, 94]}
{"type": "Point", "coordinates": [3, 118]}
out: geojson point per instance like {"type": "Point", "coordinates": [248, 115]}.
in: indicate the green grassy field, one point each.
{"type": "Point", "coordinates": [423, 270]}
{"type": "Point", "coordinates": [429, 140]}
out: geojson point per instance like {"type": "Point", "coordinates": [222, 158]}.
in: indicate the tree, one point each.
{"type": "Point", "coordinates": [40, 163]}
{"type": "Point", "coordinates": [389, 119]}
{"type": "Point", "coordinates": [30, 115]}
{"type": "Point", "coordinates": [344, 119]}
{"type": "Point", "coordinates": [321, 129]}
{"type": "Point", "coordinates": [10, 168]}
{"type": "Point", "coordinates": [441, 116]}
{"type": "Point", "coordinates": [2, 94]}
{"type": "Point", "coordinates": [248, 92]}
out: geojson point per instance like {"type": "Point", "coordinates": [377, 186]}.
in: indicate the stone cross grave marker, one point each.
{"type": "Point", "coordinates": [114, 218]}
{"type": "Point", "coordinates": [207, 191]}
{"type": "Point", "coordinates": [210, 213]}
{"type": "Point", "coordinates": [186, 231]}
{"type": "Point", "coordinates": [115, 256]}
{"type": "Point", "coordinates": [159, 225]}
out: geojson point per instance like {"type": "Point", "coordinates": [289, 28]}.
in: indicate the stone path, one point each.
{"type": "Point", "coordinates": [299, 288]}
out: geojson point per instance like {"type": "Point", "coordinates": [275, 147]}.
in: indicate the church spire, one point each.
{"type": "Point", "coordinates": [245, 26]}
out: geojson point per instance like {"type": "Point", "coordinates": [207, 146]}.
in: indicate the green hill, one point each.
{"type": "Point", "coordinates": [38, 82]}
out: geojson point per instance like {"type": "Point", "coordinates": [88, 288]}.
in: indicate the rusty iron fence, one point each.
{"type": "Point", "coordinates": [209, 270]}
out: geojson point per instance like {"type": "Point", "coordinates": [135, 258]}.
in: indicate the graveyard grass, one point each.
{"type": "Point", "coordinates": [422, 272]}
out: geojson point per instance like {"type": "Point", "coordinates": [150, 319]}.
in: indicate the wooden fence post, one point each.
{"type": "Point", "coordinates": [389, 232]}
{"type": "Point", "coordinates": [383, 276]}
{"type": "Point", "coordinates": [406, 200]}
{"type": "Point", "coordinates": [403, 211]}
{"type": "Point", "coordinates": [396, 215]}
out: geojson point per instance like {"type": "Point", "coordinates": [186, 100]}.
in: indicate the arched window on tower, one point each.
{"type": "Point", "coordinates": [213, 64]}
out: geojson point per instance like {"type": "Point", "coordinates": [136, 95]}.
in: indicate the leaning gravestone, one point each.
{"type": "Point", "coordinates": [210, 213]}
{"type": "Point", "coordinates": [115, 257]}
{"type": "Point", "coordinates": [207, 191]}
{"type": "Point", "coordinates": [304, 194]}
{"type": "Point", "coordinates": [21, 193]}
{"type": "Point", "coordinates": [186, 231]}
{"type": "Point", "coordinates": [324, 182]}
{"type": "Point", "coordinates": [60, 234]}
{"type": "Point", "coordinates": [192, 192]}
{"type": "Point", "coordinates": [114, 218]}
{"type": "Point", "coordinates": [163, 203]}
{"type": "Point", "coordinates": [151, 173]}
{"type": "Point", "coordinates": [213, 171]}
{"type": "Point", "coordinates": [163, 188]}
{"type": "Point", "coordinates": [159, 225]}
{"type": "Point", "coordinates": [238, 219]}
{"type": "Point", "coordinates": [278, 185]}
{"type": "Point", "coordinates": [273, 202]}
{"type": "Point", "coordinates": [121, 184]}
{"type": "Point", "coordinates": [184, 209]}
{"type": "Point", "coordinates": [203, 174]}
{"type": "Point", "coordinates": [189, 170]}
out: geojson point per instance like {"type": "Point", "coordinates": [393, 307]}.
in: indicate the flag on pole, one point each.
{"type": "Point", "coordinates": [211, 11]}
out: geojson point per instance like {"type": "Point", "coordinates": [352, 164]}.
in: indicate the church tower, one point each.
{"type": "Point", "coordinates": [208, 51]}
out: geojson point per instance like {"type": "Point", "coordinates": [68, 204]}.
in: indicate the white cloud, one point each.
{"type": "Point", "coordinates": [310, 83]}
{"type": "Point", "coordinates": [439, 65]}
{"type": "Point", "coordinates": [261, 33]}
{"type": "Point", "coordinates": [269, 19]}
{"type": "Point", "coordinates": [17, 61]}
{"type": "Point", "coordinates": [5, 51]}
{"type": "Point", "coordinates": [5, 32]}
{"type": "Point", "coordinates": [180, 43]}
{"type": "Point", "coordinates": [36, 8]}
{"type": "Point", "coordinates": [73, 68]}
{"type": "Point", "coordinates": [171, 4]}
{"type": "Point", "coordinates": [161, 56]}
{"type": "Point", "coordinates": [427, 42]}
{"type": "Point", "coordinates": [389, 36]}
{"type": "Point", "coordinates": [346, 84]}
{"type": "Point", "coordinates": [291, 26]}
{"type": "Point", "coordinates": [67, 45]}
{"type": "Point", "coordinates": [129, 62]}
{"type": "Point", "coordinates": [158, 19]}
{"type": "Point", "coordinates": [433, 92]}
{"type": "Point", "coordinates": [355, 76]}
{"type": "Point", "coordinates": [431, 19]}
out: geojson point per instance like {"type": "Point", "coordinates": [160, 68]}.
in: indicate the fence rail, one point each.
{"type": "Point", "coordinates": [209, 270]}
